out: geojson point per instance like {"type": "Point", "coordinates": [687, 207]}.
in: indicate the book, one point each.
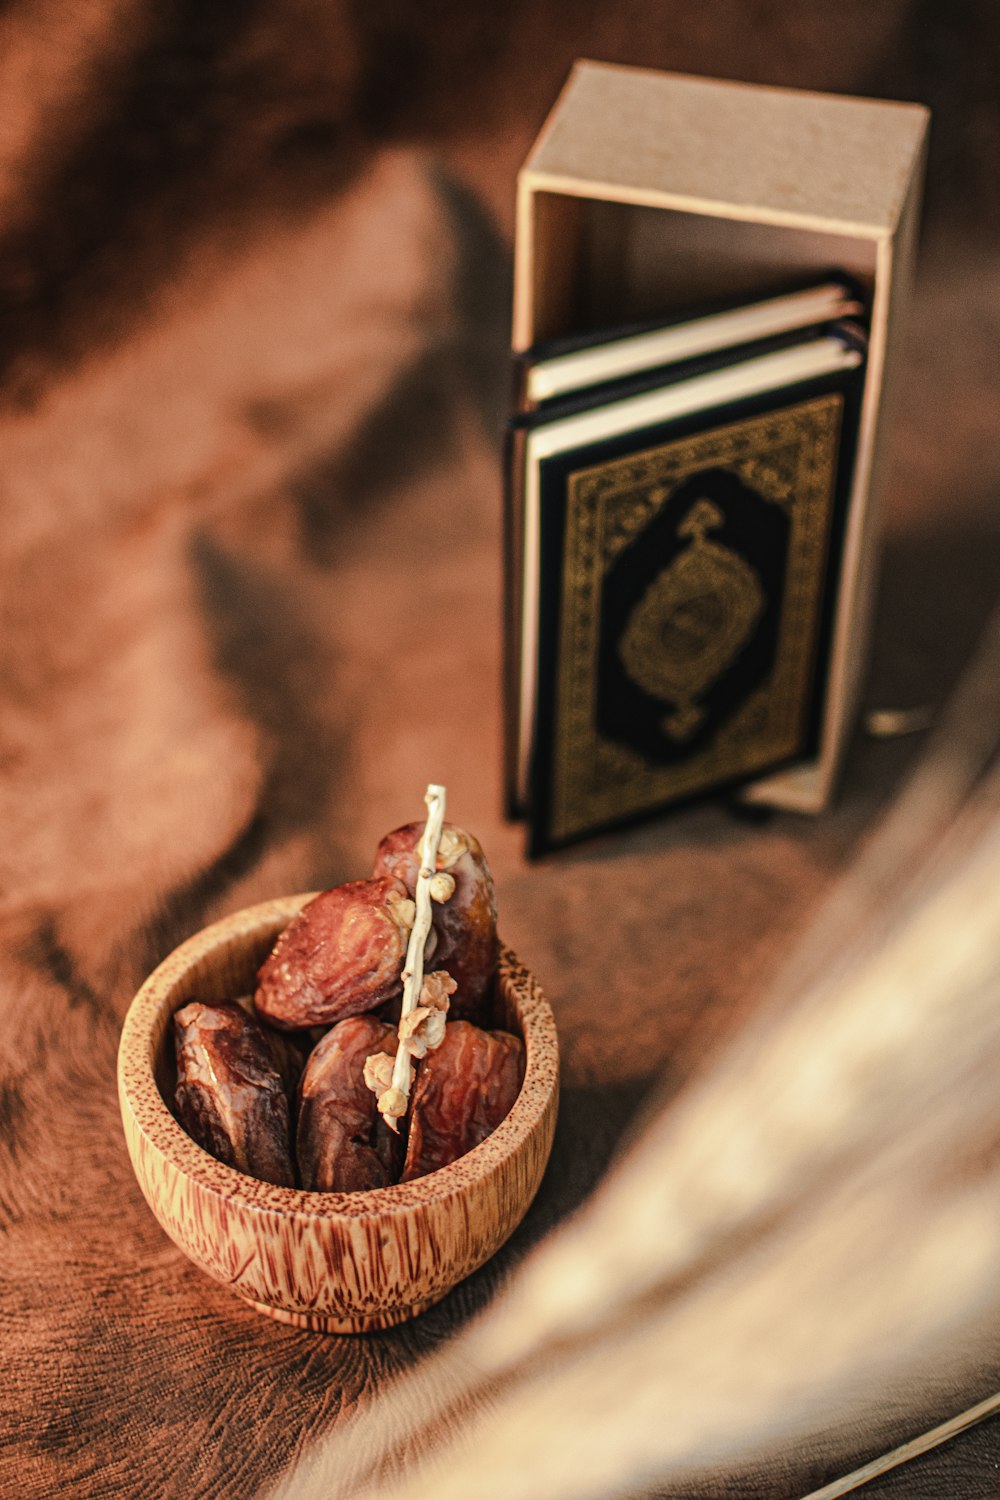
{"type": "Point", "coordinates": [672, 545]}
{"type": "Point", "coordinates": [564, 367]}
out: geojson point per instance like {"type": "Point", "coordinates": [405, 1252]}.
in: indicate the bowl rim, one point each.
{"type": "Point", "coordinates": [140, 1095]}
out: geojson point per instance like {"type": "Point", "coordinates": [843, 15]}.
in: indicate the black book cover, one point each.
{"type": "Point", "coordinates": [687, 579]}
{"type": "Point", "coordinates": [587, 399]}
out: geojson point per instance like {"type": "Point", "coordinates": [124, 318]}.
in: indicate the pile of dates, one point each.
{"type": "Point", "coordinates": [275, 1085]}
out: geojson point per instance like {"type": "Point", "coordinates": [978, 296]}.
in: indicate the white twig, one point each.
{"type": "Point", "coordinates": [392, 1102]}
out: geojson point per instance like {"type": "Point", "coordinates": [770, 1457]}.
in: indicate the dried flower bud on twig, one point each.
{"type": "Point", "coordinates": [378, 1072]}
{"type": "Point", "coordinates": [442, 887]}
{"type": "Point", "coordinates": [417, 1033]}
{"type": "Point", "coordinates": [465, 921]}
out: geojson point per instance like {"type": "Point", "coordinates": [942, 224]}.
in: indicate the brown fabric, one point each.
{"type": "Point", "coordinates": [255, 274]}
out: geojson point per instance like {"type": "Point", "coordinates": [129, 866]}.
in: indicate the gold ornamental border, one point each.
{"type": "Point", "coordinates": [789, 459]}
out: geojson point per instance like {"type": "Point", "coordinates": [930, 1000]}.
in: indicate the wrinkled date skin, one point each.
{"type": "Point", "coordinates": [343, 1145]}
{"type": "Point", "coordinates": [465, 924]}
{"type": "Point", "coordinates": [342, 955]}
{"type": "Point", "coordinates": [230, 1096]}
{"type": "Point", "coordinates": [463, 1090]}
{"type": "Point", "coordinates": [289, 1049]}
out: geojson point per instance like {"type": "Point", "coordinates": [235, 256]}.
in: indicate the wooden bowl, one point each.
{"type": "Point", "coordinates": [334, 1262]}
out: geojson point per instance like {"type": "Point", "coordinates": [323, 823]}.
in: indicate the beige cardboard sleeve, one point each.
{"type": "Point", "coordinates": [649, 194]}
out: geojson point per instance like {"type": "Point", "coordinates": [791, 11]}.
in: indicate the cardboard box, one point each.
{"type": "Point", "coordinates": [649, 194]}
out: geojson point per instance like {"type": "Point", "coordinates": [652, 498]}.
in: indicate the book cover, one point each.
{"type": "Point", "coordinates": [677, 584]}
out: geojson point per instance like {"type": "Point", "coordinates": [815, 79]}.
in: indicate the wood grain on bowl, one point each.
{"type": "Point", "coordinates": [336, 1262]}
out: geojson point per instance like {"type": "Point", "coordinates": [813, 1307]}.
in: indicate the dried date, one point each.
{"type": "Point", "coordinates": [342, 1145]}
{"type": "Point", "coordinates": [342, 955]}
{"type": "Point", "coordinates": [289, 1049]}
{"type": "Point", "coordinates": [230, 1096]}
{"type": "Point", "coordinates": [465, 923]}
{"type": "Point", "coordinates": [463, 1090]}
